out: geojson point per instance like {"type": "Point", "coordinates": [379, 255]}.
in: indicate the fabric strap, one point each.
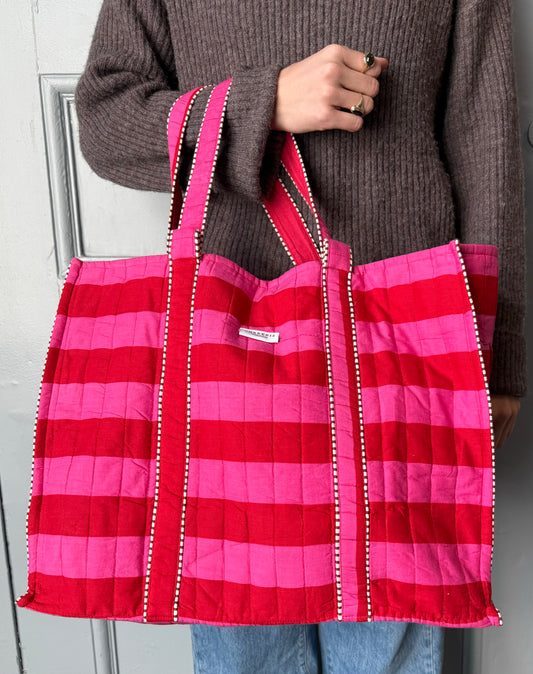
{"type": "Point", "coordinates": [190, 215]}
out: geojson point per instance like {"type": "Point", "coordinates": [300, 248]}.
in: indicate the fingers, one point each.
{"type": "Point", "coordinates": [355, 59]}
{"type": "Point", "coordinates": [504, 412]}
{"type": "Point", "coordinates": [316, 93]}
{"type": "Point", "coordinates": [346, 121]}
{"type": "Point", "coordinates": [356, 79]}
{"type": "Point", "coordinates": [344, 98]}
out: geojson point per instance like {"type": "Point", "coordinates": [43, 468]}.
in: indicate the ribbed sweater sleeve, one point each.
{"type": "Point", "coordinates": [128, 87]}
{"type": "Point", "coordinates": [481, 140]}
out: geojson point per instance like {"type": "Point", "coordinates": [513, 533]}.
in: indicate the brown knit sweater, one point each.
{"type": "Point", "coordinates": [437, 158]}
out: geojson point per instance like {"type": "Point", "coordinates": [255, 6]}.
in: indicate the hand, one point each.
{"type": "Point", "coordinates": [504, 412]}
{"type": "Point", "coordinates": [311, 92]}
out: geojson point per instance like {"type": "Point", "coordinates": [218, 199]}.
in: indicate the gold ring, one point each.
{"type": "Point", "coordinates": [369, 60]}
{"type": "Point", "coordinates": [358, 109]}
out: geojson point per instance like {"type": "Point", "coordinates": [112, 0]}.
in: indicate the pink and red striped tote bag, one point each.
{"type": "Point", "coordinates": [215, 448]}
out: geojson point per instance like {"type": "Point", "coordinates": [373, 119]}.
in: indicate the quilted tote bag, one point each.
{"type": "Point", "coordinates": [215, 448]}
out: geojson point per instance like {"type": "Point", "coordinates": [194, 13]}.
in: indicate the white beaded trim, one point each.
{"type": "Point", "coordinates": [487, 391]}
{"type": "Point", "coordinates": [362, 439]}
{"type": "Point", "coordinates": [333, 436]}
{"type": "Point", "coordinates": [197, 240]}
{"type": "Point", "coordinates": [311, 198]}
{"type": "Point", "coordinates": [35, 430]}
{"type": "Point", "coordinates": [294, 182]}
{"type": "Point", "coordinates": [301, 194]}
{"type": "Point", "coordinates": [279, 235]}
{"type": "Point", "coordinates": [162, 378]}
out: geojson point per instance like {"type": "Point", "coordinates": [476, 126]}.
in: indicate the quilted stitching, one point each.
{"type": "Point", "coordinates": [342, 473]}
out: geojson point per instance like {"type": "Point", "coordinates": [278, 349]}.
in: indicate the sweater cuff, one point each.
{"type": "Point", "coordinates": [509, 362]}
{"type": "Point", "coordinates": [250, 156]}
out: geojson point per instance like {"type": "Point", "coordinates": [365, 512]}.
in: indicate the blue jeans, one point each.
{"type": "Point", "coordinates": [322, 648]}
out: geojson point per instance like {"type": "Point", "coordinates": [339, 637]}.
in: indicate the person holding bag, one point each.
{"type": "Point", "coordinates": [400, 155]}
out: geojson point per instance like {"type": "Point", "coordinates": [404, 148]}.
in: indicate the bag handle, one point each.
{"type": "Point", "coordinates": [189, 214]}
{"type": "Point", "coordinates": [291, 159]}
{"type": "Point", "coordinates": [176, 123]}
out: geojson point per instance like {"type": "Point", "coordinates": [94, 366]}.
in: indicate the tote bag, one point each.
{"type": "Point", "coordinates": [215, 448]}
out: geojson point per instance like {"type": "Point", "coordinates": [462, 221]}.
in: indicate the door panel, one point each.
{"type": "Point", "coordinates": [54, 207]}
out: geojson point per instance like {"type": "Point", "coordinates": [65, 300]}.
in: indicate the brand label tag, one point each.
{"type": "Point", "coordinates": [261, 335]}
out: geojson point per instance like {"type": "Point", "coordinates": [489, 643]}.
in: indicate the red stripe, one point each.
{"type": "Point", "coordinates": [450, 604]}
{"type": "Point", "coordinates": [260, 441]}
{"type": "Point", "coordinates": [94, 437]}
{"type": "Point", "coordinates": [414, 301]}
{"type": "Point", "coordinates": [85, 598]}
{"type": "Point", "coordinates": [145, 294]}
{"type": "Point", "coordinates": [430, 523]}
{"type": "Point", "coordinates": [92, 515]}
{"type": "Point", "coordinates": [488, 356]}
{"type": "Point", "coordinates": [128, 363]}
{"type": "Point", "coordinates": [307, 443]}
{"type": "Point", "coordinates": [166, 540]}
{"type": "Point", "coordinates": [423, 443]}
{"type": "Point", "coordinates": [50, 369]}
{"type": "Point", "coordinates": [68, 287]}
{"type": "Point", "coordinates": [261, 523]}
{"type": "Point", "coordinates": [122, 598]}
{"type": "Point", "coordinates": [484, 290]}
{"type": "Point", "coordinates": [213, 362]}
{"type": "Point", "coordinates": [451, 371]}
{"type": "Point", "coordinates": [223, 601]}
{"type": "Point", "coordinates": [288, 304]}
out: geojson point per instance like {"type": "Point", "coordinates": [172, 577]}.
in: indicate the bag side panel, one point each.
{"type": "Point", "coordinates": [428, 441]}
{"type": "Point", "coordinates": [481, 264]}
{"type": "Point", "coordinates": [94, 451]}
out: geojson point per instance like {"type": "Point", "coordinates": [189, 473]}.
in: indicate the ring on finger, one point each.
{"type": "Point", "coordinates": [358, 109]}
{"type": "Point", "coordinates": [368, 59]}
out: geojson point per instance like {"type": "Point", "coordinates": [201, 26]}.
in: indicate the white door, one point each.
{"type": "Point", "coordinates": [53, 207]}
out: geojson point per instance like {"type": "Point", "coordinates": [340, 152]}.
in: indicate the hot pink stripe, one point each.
{"type": "Point", "coordinates": [58, 331]}
{"type": "Point", "coordinates": [92, 557]}
{"type": "Point", "coordinates": [218, 327]}
{"type": "Point", "coordinates": [428, 483]}
{"type": "Point", "coordinates": [346, 461]}
{"type": "Point", "coordinates": [142, 328]}
{"type": "Point", "coordinates": [430, 563]}
{"type": "Point", "coordinates": [236, 401]}
{"type": "Point", "coordinates": [107, 272]}
{"type": "Point", "coordinates": [176, 124]}
{"type": "Point", "coordinates": [127, 400]}
{"type": "Point", "coordinates": [420, 405]}
{"type": "Point", "coordinates": [183, 244]}
{"type": "Point", "coordinates": [260, 565]}
{"type": "Point", "coordinates": [199, 187]}
{"type": "Point", "coordinates": [429, 337]}
{"type": "Point", "coordinates": [94, 476]}
{"type": "Point", "coordinates": [261, 482]}
{"type": "Point", "coordinates": [306, 274]}
{"type": "Point", "coordinates": [409, 268]}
